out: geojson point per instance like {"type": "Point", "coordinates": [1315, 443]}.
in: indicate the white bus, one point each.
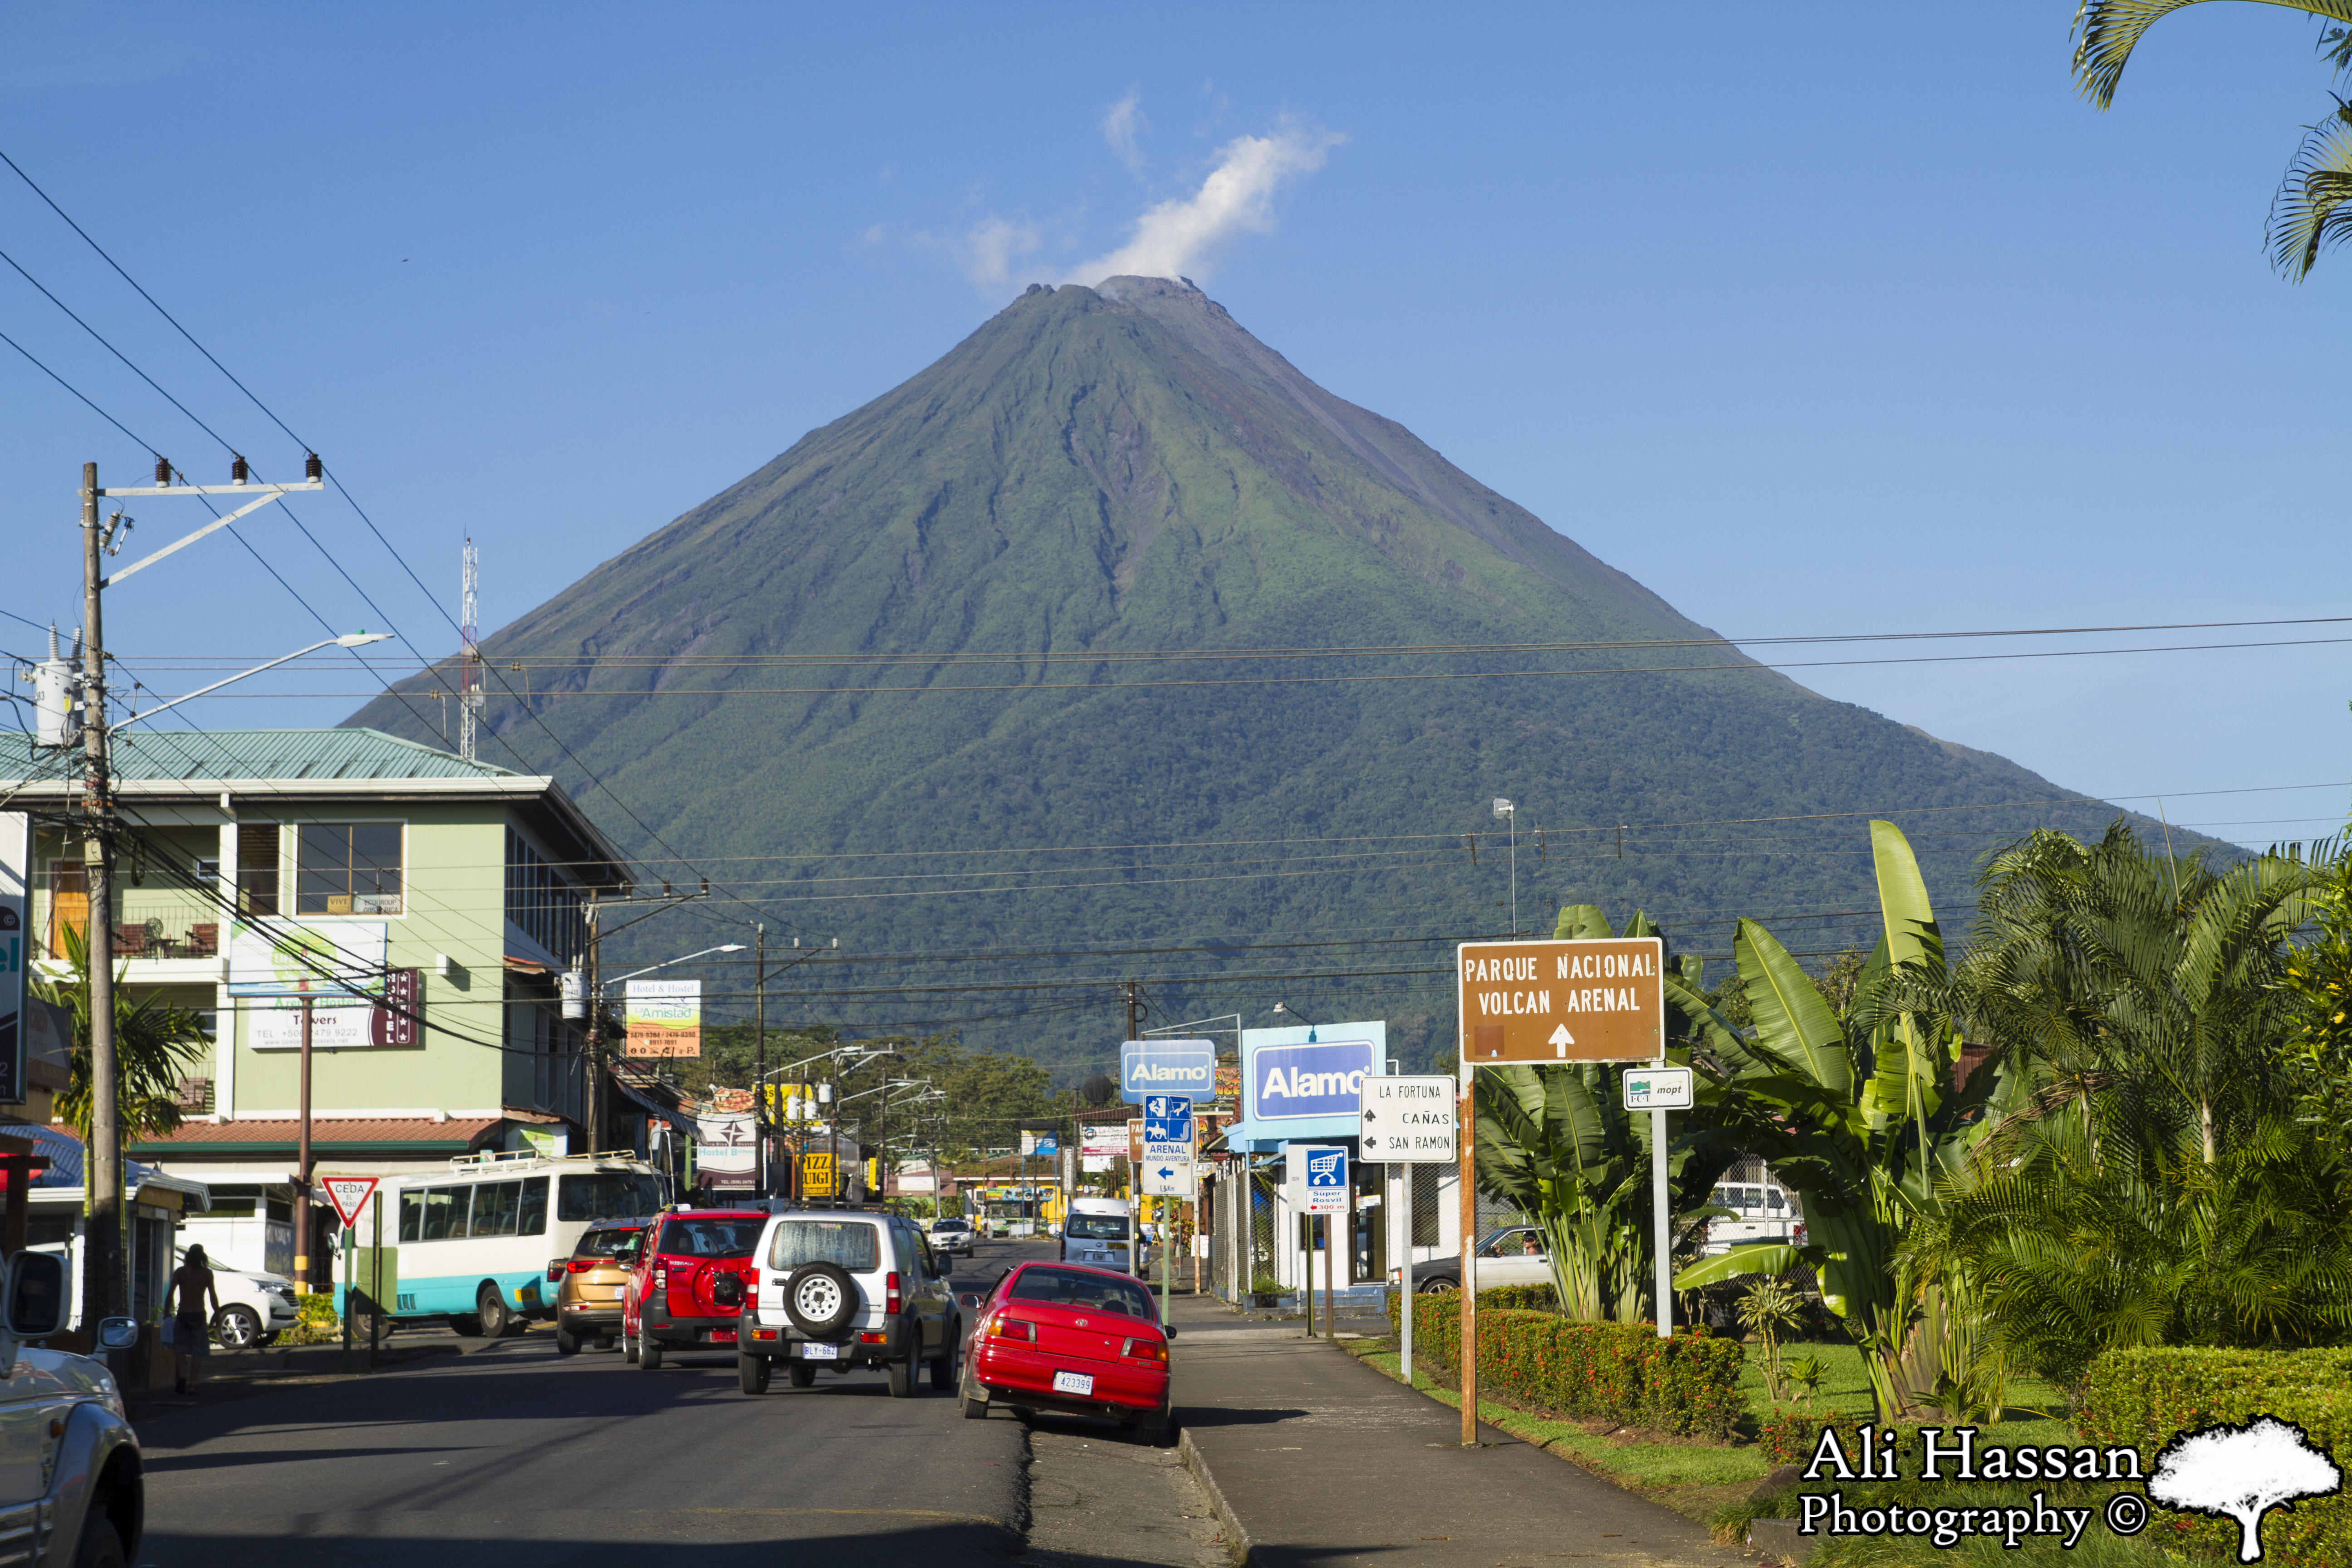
{"type": "Point", "coordinates": [475, 1242]}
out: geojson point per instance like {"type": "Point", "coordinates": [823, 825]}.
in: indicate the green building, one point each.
{"type": "Point", "coordinates": [439, 905]}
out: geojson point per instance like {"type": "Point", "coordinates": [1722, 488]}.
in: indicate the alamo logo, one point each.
{"type": "Point", "coordinates": [2237, 1473]}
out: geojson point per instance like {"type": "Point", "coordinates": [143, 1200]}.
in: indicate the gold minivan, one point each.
{"type": "Point", "coordinates": [589, 1283]}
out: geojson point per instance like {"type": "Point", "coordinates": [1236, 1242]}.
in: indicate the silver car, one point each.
{"type": "Point", "coordinates": [83, 1504]}
{"type": "Point", "coordinates": [951, 1235]}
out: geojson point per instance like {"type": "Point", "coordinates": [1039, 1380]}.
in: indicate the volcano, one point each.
{"type": "Point", "coordinates": [1112, 646]}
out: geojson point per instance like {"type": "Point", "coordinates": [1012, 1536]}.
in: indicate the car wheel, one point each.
{"type": "Point", "coordinates": [902, 1373]}
{"type": "Point", "coordinates": [801, 1375]}
{"type": "Point", "coordinates": [1440, 1286]}
{"type": "Point", "coordinates": [975, 1408]}
{"type": "Point", "coordinates": [943, 1371]}
{"type": "Point", "coordinates": [649, 1350]}
{"type": "Point", "coordinates": [566, 1342]}
{"type": "Point", "coordinates": [751, 1372]}
{"type": "Point", "coordinates": [629, 1348]}
{"type": "Point", "coordinates": [236, 1328]}
{"type": "Point", "coordinates": [491, 1314]}
{"type": "Point", "coordinates": [100, 1546]}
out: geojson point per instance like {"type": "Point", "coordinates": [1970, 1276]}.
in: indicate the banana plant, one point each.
{"type": "Point", "coordinates": [1857, 1114]}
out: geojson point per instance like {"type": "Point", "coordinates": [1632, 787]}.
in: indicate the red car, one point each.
{"type": "Point", "coordinates": [1065, 1337]}
{"type": "Point", "coordinates": [692, 1281]}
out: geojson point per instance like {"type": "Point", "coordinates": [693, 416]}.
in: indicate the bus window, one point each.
{"type": "Point", "coordinates": [412, 1213]}
{"type": "Point", "coordinates": [531, 1219]}
{"type": "Point", "coordinates": [445, 1212]}
{"type": "Point", "coordinates": [494, 1208]}
{"type": "Point", "coordinates": [608, 1195]}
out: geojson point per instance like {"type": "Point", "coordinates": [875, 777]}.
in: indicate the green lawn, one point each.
{"type": "Point", "coordinates": [1845, 1390]}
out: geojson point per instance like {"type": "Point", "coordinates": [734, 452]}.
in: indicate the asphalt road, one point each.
{"type": "Point", "coordinates": [560, 1460]}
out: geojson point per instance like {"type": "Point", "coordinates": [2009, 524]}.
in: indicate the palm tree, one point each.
{"type": "Point", "coordinates": [2314, 204]}
{"type": "Point", "coordinates": [154, 1045]}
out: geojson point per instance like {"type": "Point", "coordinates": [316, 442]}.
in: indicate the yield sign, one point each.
{"type": "Point", "coordinates": [349, 1194]}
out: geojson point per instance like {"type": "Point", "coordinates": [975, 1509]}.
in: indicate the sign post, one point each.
{"type": "Point", "coordinates": [1326, 1191]}
{"type": "Point", "coordinates": [349, 1194]}
{"type": "Point", "coordinates": [1406, 1121]}
{"type": "Point", "coordinates": [1551, 1002]}
{"type": "Point", "coordinates": [1167, 1138]}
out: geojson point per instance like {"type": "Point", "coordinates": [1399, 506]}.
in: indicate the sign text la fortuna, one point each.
{"type": "Point", "coordinates": [1561, 1001]}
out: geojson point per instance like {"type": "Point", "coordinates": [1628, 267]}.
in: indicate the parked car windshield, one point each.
{"type": "Point", "coordinates": [1083, 1287]}
{"type": "Point", "coordinates": [608, 1195]}
{"type": "Point", "coordinates": [1097, 1228]}
{"type": "Point", "coordinates": [950, 1225]}
{"type": "Point", "coordinates": [711, 1237]}
{"type": "Point", "coordinates": [605, 1243]}
{"type": "Point", "coordinates": [848, 1243]}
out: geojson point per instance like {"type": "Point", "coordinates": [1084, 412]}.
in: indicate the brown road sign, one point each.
{"type": "Point", "coordinates": [1600, 1001]}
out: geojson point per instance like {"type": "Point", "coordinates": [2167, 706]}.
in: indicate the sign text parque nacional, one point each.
{"type": "Point", "coordinates": [1600, 1001]}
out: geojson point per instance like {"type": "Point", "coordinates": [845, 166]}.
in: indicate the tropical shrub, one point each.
{"type": "Point", "coordinates": [1687, 1385]}
{"type": "Point", "coordinates": [2143, 1398]}
{"type": "Point", "coordinates": [1787, 1433]}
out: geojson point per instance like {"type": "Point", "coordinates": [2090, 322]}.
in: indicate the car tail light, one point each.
{"type": "Point", "coordinates": [1013, 1329]}
{"type": "Point", "coordinates": [661, 1276]}
{"type": "Point", "coordinates": [763, 1333]}
{"type": "Point", "coordinates": [1146, 1350]}
{"type": "Point", "coordinates": [554, 1269]}
{"type": "Point", "coordinates": [890, 1294]}
{"type": "Point", "coordinates": [578, 1266]}
{"type": "Point", "coordinates": [873, 1339]}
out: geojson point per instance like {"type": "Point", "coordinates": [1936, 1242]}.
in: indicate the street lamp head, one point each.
{"type": "Point", "coordinates": [732, 947]}
{"type": "Point", "coordinates": [1504, 807]}
{"type": "Point", "coordinates": [360, 639]}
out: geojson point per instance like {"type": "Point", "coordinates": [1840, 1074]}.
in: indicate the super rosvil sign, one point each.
{"type": "Point", "coordinates": [1601, 1001]}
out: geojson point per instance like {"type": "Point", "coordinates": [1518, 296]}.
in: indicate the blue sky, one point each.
{"type": "Point", "coordinates": [1814, 318]}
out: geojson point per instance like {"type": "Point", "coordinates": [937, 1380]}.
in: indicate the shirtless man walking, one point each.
{"type": "Point", "coordinates": [192, 1285]}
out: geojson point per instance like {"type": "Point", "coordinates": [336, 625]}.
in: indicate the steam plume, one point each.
{"type": "Point", "coordinates": [1185, 236]}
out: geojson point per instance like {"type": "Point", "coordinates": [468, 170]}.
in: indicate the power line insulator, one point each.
{"type": "Point", "coordinates": [163, 469]}
{"type": "Point", "coordinates": [236, 468]}
{"type": "Point", "coordinates": [311, 467]}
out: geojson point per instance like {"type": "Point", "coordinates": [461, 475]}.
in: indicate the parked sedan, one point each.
{"type": "Point", "coordinates": [1068, 1338]}
{"type": "Point", "coordinates": [1513, 1255]}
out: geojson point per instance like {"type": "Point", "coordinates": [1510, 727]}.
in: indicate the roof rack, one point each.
{"type": "Point", "coordinates": [520, 1156]}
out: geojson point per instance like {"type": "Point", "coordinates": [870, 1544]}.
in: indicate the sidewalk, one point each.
{"type": "Point", "coordinates": [1319, 1459]}
{"type": "Point", "coordinates": [230, 1375]}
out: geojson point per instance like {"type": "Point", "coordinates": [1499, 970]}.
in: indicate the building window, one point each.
{"type": "Point", "coordinates": [545, 905]}
{"type": "Point", "coordinates": [348, 868]}
{"type": "Point", "coordinates": [256, 868]}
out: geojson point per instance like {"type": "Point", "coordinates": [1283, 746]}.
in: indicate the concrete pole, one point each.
{"type": "Point", "coordinates": [102, 1266]}
{"type": "Point", "coordinates": [1466, 1130]}
{"type": "Point", "coordinates": [302, 1167]}
{"type": "Point", "coordinates": [1662, 1221]}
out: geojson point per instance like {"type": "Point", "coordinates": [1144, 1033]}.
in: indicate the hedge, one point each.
{"type": "Point", "coordinates": [2141, 1398]}
{"type": "Point", "coordinates": [1688, 1386]}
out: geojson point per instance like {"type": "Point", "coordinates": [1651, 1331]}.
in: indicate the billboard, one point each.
{"type": "Point", "coordinates": [333, 958]}
{"type": "Point", "coordinates": [725, 1153]}
{"type": "Point", "coordinates": [663, 1018]}
{"type": "Point", "coordinates": [1103, 1140]}
{"type": "Point", "coordinates": [1306, 1084]}
{"type": "Point", "coordinates": [1166, 1067]}
{"type": "Point", "coordinates": [341, 1022]}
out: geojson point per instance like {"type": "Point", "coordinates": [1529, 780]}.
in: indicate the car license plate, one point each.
{"type": "Point", "coordinates": [812, 1350]}
{"type": "Point", "coordinates": [1073, 1383]}
{"type": "Point", "coordinates": [722, 1336]}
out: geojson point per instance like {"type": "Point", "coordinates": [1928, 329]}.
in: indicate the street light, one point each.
{"type": "Point", "coordinates": [353, 639]}
{"type": "Point", "coordinates": [1504, 808]}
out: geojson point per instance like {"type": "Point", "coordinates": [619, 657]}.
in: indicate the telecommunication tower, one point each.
{"type": "Point", "coordinates": [470, 656]}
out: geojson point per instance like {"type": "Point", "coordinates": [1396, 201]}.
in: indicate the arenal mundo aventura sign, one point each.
{"type": "Point", "coordinates": [1166, 1067]}
{"type": "Point", "coordinates": [1597, 1001]}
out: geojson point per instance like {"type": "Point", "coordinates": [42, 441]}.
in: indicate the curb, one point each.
{"type": "Point", "coordinates": [1238, 1544]}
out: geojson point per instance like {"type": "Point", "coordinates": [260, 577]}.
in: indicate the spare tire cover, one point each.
{"type": "Point", "coordinates": [821, 1299]}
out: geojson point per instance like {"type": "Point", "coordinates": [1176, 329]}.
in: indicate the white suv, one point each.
{"type": "Point", "coordinates": [844, 1287]}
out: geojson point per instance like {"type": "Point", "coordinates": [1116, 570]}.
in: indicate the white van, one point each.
{"type": "Point", "coordinates": [1101, 1232]}
{"type": "Point", "coordinates": [475, 1242]}
{"type": "Point", "coordinates": [1762, 1211]}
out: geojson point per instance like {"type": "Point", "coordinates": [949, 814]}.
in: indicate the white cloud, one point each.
{"type": "Point", "coordinates": [991, 246]}
{"type": "Point", "coordinates": [1124, 128]}
{"type": "Point", "coordinates": [1185, 236]}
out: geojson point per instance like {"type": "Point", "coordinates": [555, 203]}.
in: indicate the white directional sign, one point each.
{"type": "Point", "coordinates": [1167, 1127]}
{"type": "Point", "coordinates": [1167, 1178]}
{"type": "Point", "coordinates": [1409, 1120]}
{"type": "Point", "coordinates": [1657, 1089]}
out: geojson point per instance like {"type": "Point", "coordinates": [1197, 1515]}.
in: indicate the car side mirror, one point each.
{"type": "Point", "coordinates": [34, 1296]}
{"type": "Point", "coordinates": [1168, 1328]}
{"type": "Point", "coordinates": [117, 1333]}
{"type": "Point", "coordinates": [969, 1301]}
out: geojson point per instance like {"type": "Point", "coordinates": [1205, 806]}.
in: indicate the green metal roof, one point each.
{"type": "Point", "coordinates": [192, 755]}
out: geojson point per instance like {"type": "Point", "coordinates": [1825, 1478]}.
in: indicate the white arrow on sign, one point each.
{"type": "Point", "coordinates": [1561, 1039]}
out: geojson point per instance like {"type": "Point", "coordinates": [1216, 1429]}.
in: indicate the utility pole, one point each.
{"type": "Point", "coordinates": [759, 1056]}
{"type": "Point", "coordinates": [102, 1262]}
{"type": "Point", "coordinates": [592, 983]}
{"type": "Point", "coordinates": [303, 1161]}
{"type": "Point", "coordinates": [469, 657]}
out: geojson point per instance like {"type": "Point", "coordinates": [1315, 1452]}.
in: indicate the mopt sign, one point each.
{"type": "Point", "coordinates": [1657, 1089]}
{"type": "Point", "coordinates": [1599, 1000]}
